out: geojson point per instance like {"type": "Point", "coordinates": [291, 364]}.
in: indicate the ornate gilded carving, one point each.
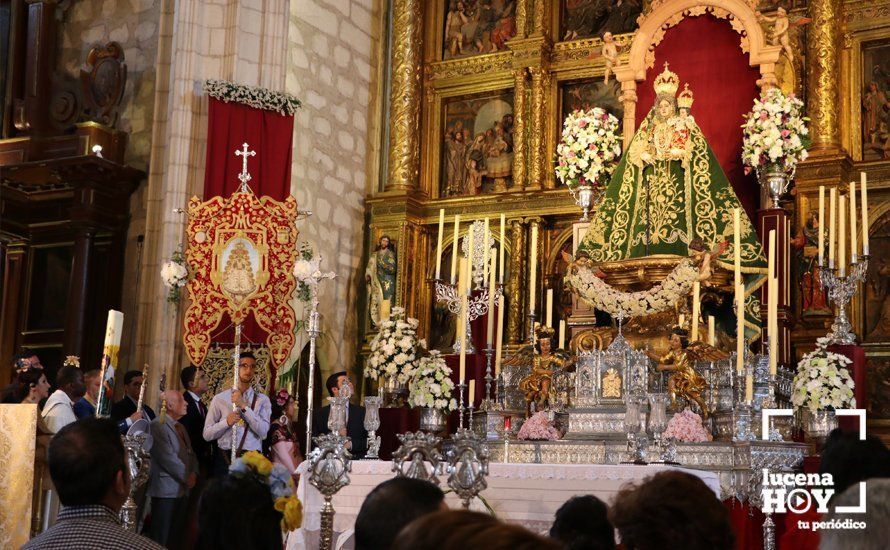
{"type": "Point", "coordinates": [519, 112]}
{"type": "Point", "coordinates": [404, 116]}
{"type": "Point", "coordinates": [521, 18]}
{"type": "Point", "coordinates": [696, 11]}
{"type": "Point", "coordinates": [539, 16]}
{"type": "Point", "coordinates": [469, 66]}
{"type": "Point", "coordinates": [515, 304]}
{"type": "Point", "coordinates": [586, 49]}
{"type": "Point", "coordinates": [823, 59]}
{"type": "Point", "coordinates": [865, 10]}
{"type": "Point", "coordinates": [539, 110]}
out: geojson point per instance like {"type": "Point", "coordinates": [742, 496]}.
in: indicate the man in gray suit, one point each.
{"type": "Point", "coordinates": [173, 473]}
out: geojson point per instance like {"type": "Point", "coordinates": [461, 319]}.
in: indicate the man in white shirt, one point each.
{"type": "Point", "coordinates": [250, 417]}
{"type": "Point", "coordinates": [59, 409]}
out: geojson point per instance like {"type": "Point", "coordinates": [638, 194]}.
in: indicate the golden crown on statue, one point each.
{"type": "Point", "coordinates": [543, 331]}
{"type": "Point", "coordinates": [685, 99]}
{"type": "Point", "coordinates": [667, 82]}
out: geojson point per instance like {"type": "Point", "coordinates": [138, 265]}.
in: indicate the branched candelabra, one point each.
{"type": "Point", "coordinates": [841, 290]}
{"type": "Point", "coordinates": [477, 307]}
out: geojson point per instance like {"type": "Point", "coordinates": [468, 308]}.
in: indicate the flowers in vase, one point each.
{"type": "Point", "coordinates": [686, 426]}
{"type": "Point", "coordinates": [174, 275]}
{"type": "Point", "coordinates": [822, 381]}
{"type": "Point", "coordinates": [394, 349]}
{"type": "Point", "coordinates": [431, 386]}
{"type": "Point", "coordinates": [589, 149]}
{"type": "Point", "coordinates": [775, 133]}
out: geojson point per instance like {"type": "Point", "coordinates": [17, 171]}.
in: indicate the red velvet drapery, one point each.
{"type": "Point", "coordinates": [269, 134]}
{"type": "Point", "coordinates": [704, 51]}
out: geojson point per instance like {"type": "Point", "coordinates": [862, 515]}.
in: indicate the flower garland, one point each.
{"type": "Point", "coordinates": [775, 133]}
{"type": "Point", "coordinates": [259, 98]}
{"type": "Point", "coordinates": [175, 275]}
{"type": "Point", "coordinates": [687, 426]}
{"type": "Point", "coordinates": [394, 349]}
{"type": "Point", "coordinates": [660, 297]}
{"type": "Point", "coordinates": [280, 483]}
{"type": "Point", "coordinates": [822, 381]}
{"type": "Point", "coordinates": [431, 385]}
{"type": "Point", "coordinates": [589, 149]}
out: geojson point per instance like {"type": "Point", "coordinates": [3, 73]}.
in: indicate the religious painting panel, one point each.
{"type": "Point", "coordinates": [877, 284]}
{"type": "Point", "coordinates": [875, 90]}
{"type": "Point", "coordinates": [477, 145]}
{"type": "Point", "coordinates": [587, 94]}
{"type": "Point", "coordinates": [474, 27]}
{"type": "Point", "coordinates": [810, 295]}
{"type": "Point", "coordinates": [594, 18]}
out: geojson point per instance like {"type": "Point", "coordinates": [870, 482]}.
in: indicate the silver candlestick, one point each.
{"type": "Point", "coordinates": [461, 388]}
{"type": "Point", "coordinates": [477, 306]}
{"type": "Point", "coordinates": [372, 423]}
{"type": "Point", "coordinates": [470, 414]}
{"type": "Point", "coordinates": [532, 338]}
{"type": "Point", "coordinates": [487, 404]}
{"type": "Point", "coordinates": [841, 290]}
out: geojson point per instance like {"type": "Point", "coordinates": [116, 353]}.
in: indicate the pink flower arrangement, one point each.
{"type": "Point", "coordinates": [538, 427]}
{"type": "Point", "coordinates": [687, 426]}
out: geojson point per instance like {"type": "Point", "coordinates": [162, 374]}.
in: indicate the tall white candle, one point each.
{"type": "Point", "coordinates": [439, 243]}
{"type": "Point", "coordinates": [696, 305]}
{"type": "Point", "coordinates": [471, 392]}
{"type": "Point", "coordinates": [562, 334]}
{"type": "Point", "coordinates": [854, 249]}
{"type": "Point", "coordinates": [491, 294]}
{"type": "Point", "coordinates": [832, 223]}
{"type": "Point", "coordinates": [821, 225]}
{"type": "Point", "coordinates": [502, 247]}
{"type": "Point", "coordinates": [712, 336]}
{"type": "Point", "coordinates": [533, 274]}
{"type": "Point", "coordinates": [737, 244]}
{"type": "Point", "coordinates": [773, 325]}
{"type": "Point", "coordinates": [462, 327]}
{"type": "Point", "coordinates": [455, 248]}
{"type": "Point", "coordinates": [740, 327]}
{"type": "Point", "coordinates": [470, 244]}
{"type": "Point", "coordinates": [864, 188]}
{"type": "Point", "coordinates": [485, 252]}
{"type": "Point", "coordinates": [549, 313]}
{"type": "Point", "coordinates": [500, 334]}
{"type": "Point", "coordinates": [841, 237]}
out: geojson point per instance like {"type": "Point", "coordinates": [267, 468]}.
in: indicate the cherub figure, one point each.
{"type": "Point", "coordinates": [701, 255]}
{"type": "Point", "coordinates": [781, 25]}
{"type": "Point", "coordinates": [610, 54]}
{"type": "Point", "coordinates": [545, 363]}
{"type": "Point", "coordinates": [680, 360]}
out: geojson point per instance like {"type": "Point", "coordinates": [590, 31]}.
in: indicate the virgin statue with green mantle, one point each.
{"type": "Point", "coordinates": [668, 190]}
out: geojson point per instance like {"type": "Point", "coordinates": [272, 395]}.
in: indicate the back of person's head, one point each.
{"type": "Point", "coordinates": [850, 460]}
{"type": "Point", "coordinates": [391, 506]}
{"type": "Point", "coordinates": [463, 530]}
{"type": "Point", "coordinates": [238, 513]}
{"type": "Point", "coordinates": [84, 460]}
{"type": "Point", "coordinates": [68, 374]}
{"type": "Point", "coordinates": [876, 519]}
{"type": "Point", "coordinates": [583, 522]}
{"type": "Point", "coordinates": [671, 510]}
{"type": "Point", "coordinates": [333, 381]}
{"type": "Point", "coordinates": [92, 374]}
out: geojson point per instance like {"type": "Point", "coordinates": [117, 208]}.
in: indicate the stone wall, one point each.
{"type": "Point", "coordinates": [332, 67]}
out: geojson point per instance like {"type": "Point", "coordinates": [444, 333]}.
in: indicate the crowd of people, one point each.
{"type": "Point", "coordinates": [196, 501]}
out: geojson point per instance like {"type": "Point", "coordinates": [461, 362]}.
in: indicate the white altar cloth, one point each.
{"type": "Point", "coordinates": [527, 494]}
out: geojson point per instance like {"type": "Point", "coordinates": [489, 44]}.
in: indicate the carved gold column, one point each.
{"type": "Point", "coordinates": [521, 18]}
{"type": "Point", "coordinates": [823, 60]}
{"type": "Point", "coordinates": [515, 300]}
{"type": "Point", "coordinates": [539, 11]}
{"type": "Point", "coordinates": [536, 160]}
{"type": "Point", "coordinates": [520, 89]}
{"type": "Point", "coordinates": [404, 101]}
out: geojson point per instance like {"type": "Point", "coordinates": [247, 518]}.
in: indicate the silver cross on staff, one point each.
{"type": "Point", "coordinates": [244, 176]}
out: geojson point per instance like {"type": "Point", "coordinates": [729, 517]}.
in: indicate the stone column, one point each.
{"type": "Point", "coordinates": [823, 61]}
{"type": "Point", "coordinates": [536, 160]}
{"type": "Point", "coordinates": [404, 101]}
{"type": "Point", "coordinates": [520, 89]}
{"type": "Point", "coordinates": [515, 300]}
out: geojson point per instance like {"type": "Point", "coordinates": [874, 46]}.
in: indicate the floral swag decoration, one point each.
{"type": "Point", "coordinates": [431, 386]}
{"type": "Point", "coordinates": [775, 133]}
{"type": "Point", "coordinates": [280, 482]}
{"type": "Point", "coordinates": [175, 275]}
{"type": "Point", "coordinates": [589, 149]}
{"type": "Point", "coordinates": [822, 381]}
{"type": "Point", "coordinates": [624, 305]}
{"type": "Point", "coordinates": [259, 98]}
{"type": "Point", "coordinates": [394, 349]}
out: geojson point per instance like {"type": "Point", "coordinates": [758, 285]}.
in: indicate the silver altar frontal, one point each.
{"type": "Point", "coordinates": [591, 415]}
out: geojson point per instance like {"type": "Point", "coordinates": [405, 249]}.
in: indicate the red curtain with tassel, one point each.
{"type": "Point", "coordinates": [270, 134]}
{"type": "Point", "coordinates": [705, 52]}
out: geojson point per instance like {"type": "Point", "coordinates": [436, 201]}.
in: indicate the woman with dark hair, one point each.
{"type": "Point", "coordinates": [30, 386]}
{"type": "Point", "coordinates": [238, 513]}
{"type": "Point", "coordinates": [462, 529]}
{"type": "Point", "coordinates": [281, 444]}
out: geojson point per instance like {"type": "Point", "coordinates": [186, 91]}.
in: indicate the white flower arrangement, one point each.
{"type": "Point", "coordinates": [660, 297]}
{"type": "Point", "coordinates": [775, 133]}
{"type": "Point", "coordinates": [431, 385]}
{"type": "Point", "coordinates": [589, 149]}
{"type": "Point", "coordinates": [259, 98]}
{"type": "Point", "coordinates": [822, 381]}
{"type": "Point", "coordinates": [307, 266]}
{"type": "Point", "coordinates": [174, 275]}
{"type": "Point", "coordinates": [394, 349]}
